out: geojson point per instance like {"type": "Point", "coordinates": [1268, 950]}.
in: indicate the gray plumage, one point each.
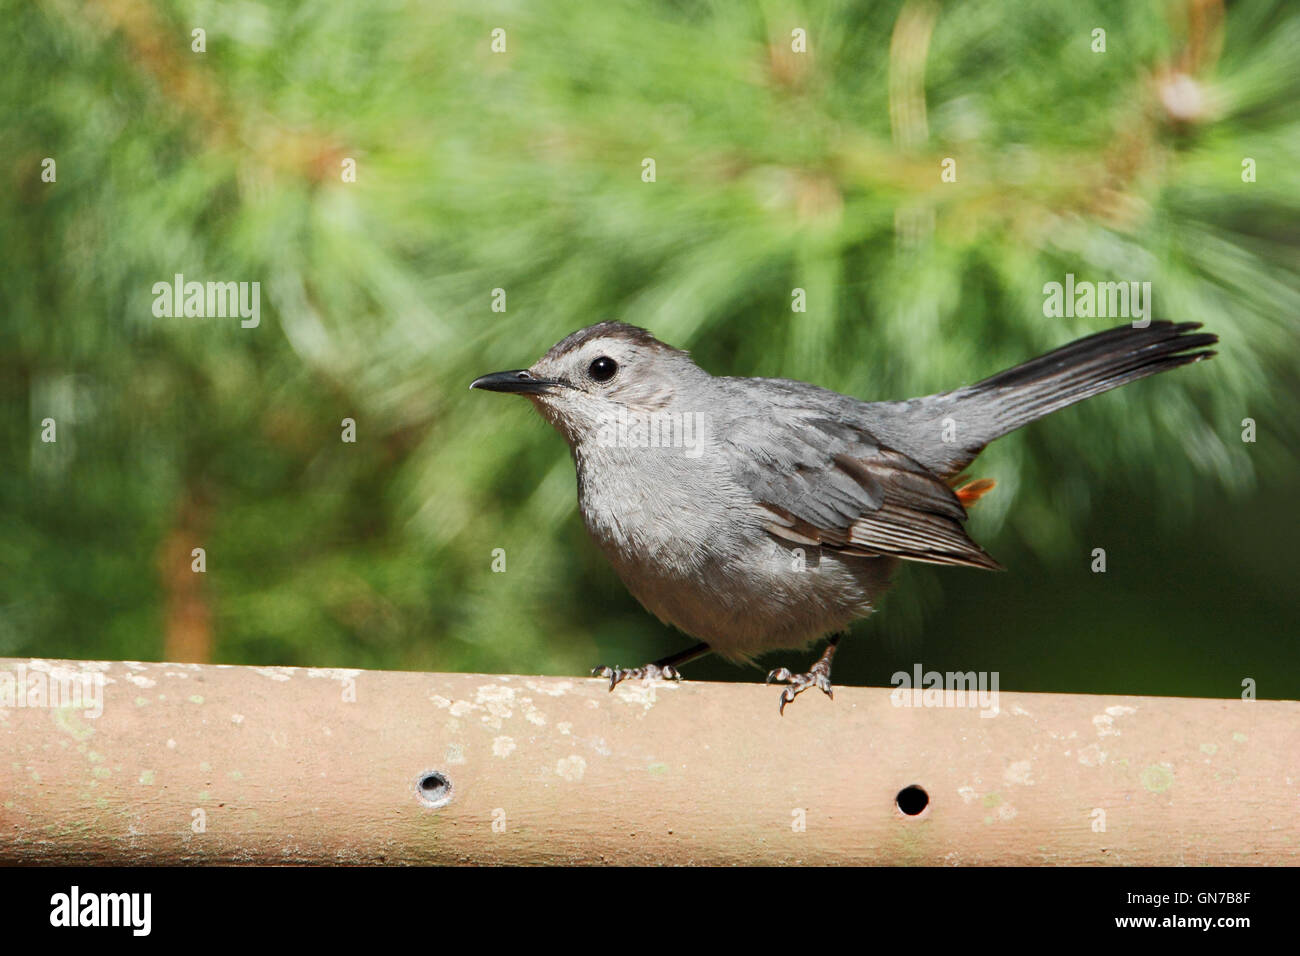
{"type": "Point", "coordinates": [784, 508]}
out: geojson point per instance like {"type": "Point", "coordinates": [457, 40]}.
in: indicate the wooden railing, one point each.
{"type": "Point", "coordinates": [216, 764]}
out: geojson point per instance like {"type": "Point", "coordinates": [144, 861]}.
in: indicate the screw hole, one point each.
{"type": "Point", "coordinates": [433, 788]}
{"type": "Point", "coordinates": [912, 800]}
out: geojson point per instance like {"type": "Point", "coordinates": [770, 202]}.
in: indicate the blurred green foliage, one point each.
{"type": "Point", "coordinates": [522, 171]}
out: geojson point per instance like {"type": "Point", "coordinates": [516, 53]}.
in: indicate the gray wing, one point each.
{"type": "Point", "coordinates": [831, 484]}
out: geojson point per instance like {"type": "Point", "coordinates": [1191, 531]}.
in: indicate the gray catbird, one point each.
{"type": "Point", "coordinates": [757, 514]}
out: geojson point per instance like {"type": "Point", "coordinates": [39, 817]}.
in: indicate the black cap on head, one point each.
{"type": "Point", "coordinates": [609, 329]}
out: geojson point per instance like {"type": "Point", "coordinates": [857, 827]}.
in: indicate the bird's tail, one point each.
{"type": "Point", "coordinates": [979, 413]}
{"type": "Point", "coordinates": [1081, 370]}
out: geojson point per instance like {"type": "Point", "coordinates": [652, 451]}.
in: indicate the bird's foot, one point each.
{"type": "Point", "coordinates": [617, 675]}
{"type": "Point", "coordinates": [819, 676]}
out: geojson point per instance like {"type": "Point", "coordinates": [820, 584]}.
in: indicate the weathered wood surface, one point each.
{"type": "Point", "coordinates": [203, 764]}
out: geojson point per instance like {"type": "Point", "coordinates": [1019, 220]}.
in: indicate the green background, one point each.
{"type": "Point", "coordinates": [522, 171]}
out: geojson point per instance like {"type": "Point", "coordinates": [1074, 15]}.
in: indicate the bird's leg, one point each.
{"type": "Point", "coordinates": [665, 669]}
{"type": "Point", "coordinates": [819, 675]}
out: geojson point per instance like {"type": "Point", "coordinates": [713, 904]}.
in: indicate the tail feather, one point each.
{"type": "Point", "coordinates": [989, 409]}
{"type": "Point", "coordinates": [1083, 369]}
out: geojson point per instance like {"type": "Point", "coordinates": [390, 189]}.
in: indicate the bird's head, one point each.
{"type": "Point", "coordinates": [597, 374]}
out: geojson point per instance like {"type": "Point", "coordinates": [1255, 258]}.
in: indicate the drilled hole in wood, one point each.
{"type": "Point", "coordinates": [433, 788]}
{"type": "Point", "coordinates": [912, 800]}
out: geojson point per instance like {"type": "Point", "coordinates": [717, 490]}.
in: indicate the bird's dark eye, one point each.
{"type": "Point", "coordinates": [603, 369]}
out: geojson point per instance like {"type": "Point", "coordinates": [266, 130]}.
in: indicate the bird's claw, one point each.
{"type": "Point", "coordinates": [617, 675]}
{"type": "Point", "coordinates": [819, 676]}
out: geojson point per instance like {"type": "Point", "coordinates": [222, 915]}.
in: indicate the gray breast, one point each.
{"type": "Point", "coordinates": [690, 545]}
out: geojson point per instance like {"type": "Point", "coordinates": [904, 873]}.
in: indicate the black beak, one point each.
{"type": "Point", "coordinates": [519, 380]}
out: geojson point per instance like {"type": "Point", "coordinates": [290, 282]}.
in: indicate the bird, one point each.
{"type": "Point", "coordinates": [764, 514]}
